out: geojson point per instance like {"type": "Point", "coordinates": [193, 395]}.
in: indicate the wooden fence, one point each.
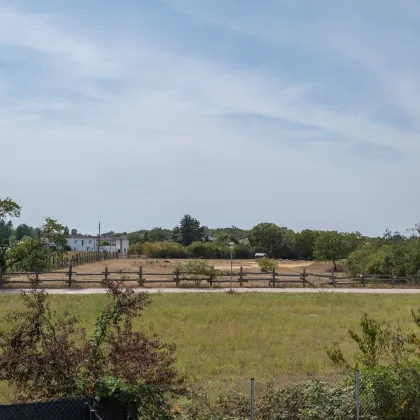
{"type": "Point", "coordinates": [141, 278]}
{"type": "Point", "coordinates": [58, 263]}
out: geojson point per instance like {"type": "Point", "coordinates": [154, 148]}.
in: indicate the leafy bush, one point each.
{"type": "Point", "coordinates": [194, 272]}
{"type": "Point", "coordinates": [307, 401]}
{"type": "Point", "coordinates": [267, 264]}
{"type": "Point", "coordinates": [136, 249]}
{"type": "Point", "coordinates": [391, 391]}
{"type": "Point", "coordinates": [46, 355]}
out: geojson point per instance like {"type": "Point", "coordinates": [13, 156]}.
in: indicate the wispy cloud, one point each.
{"type": "Point", "coordinates": [145, 130]}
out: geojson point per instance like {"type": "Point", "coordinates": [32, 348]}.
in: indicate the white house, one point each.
{"type": "Point", "coordinates": [80, 243]}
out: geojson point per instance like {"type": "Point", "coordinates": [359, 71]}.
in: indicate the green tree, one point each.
{"type": "Point", "coordinates": [267, 238]}
{"type": "Point", "coordinates": [6, 230]}
{"type": "Point", "coordinates": [74, 232]}
{"type": "Point", "coordinates": [288, 247]}
{"type": "Point", "coordinates": [32, 252]}
{"type": "Point", "coordinates": [305, 243]}
{"type": "Point", "coordinates": [189, 231]}
{"type": "Point", "coordinates": [158, 234]}
{"type": "Point", "coordinates": [22, 231]}
{"type": "Point", "coordinates": [9, 208]}
{"type": "Point", "coordinates": [225, 238]}
{"type": "Point", "coordinates": [331, 246]}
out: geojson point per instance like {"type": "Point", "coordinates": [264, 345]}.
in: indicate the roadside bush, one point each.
{"type": "Point", "coordinates": [194, 272]}
{"type": "Point", "coordinates": [267, 264]}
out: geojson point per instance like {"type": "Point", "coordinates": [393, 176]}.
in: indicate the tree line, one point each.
{"type": "Point", "coordinates": [190, 239]}
{"type": "Point", "coordinates": [392, 254]}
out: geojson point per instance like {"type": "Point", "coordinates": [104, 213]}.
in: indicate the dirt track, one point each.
{"type": "Point", "coordinates": [365, 291]}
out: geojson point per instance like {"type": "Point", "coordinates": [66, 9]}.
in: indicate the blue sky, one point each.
{"type": "Point", "coordinates": [298, 112]}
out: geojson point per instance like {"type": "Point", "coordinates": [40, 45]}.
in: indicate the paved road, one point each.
{"type": "Point", "coordinates": [98, 291]}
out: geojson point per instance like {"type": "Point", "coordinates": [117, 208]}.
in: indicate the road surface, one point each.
{"type": "Point", "coordinates": [362, 291]}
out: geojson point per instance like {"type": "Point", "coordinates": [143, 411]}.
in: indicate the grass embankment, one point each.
{"type": "Point", "coordinates": [223, 340]}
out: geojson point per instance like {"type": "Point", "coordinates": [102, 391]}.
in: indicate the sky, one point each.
{"type": "Point", "coordinates": [134, 113]}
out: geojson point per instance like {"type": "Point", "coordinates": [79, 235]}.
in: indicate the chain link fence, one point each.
{"type": "Point", "coordinates": [387, 392]}
{"type": "Point", "coordinates": [65, 409]}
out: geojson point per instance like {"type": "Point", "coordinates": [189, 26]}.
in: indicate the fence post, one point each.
{"type": "Point", "coordinates": [1, 276]}
{"type": "Point", "coordinates": [357, 395]}
{"type": "Point", "coordinates": [70, 274]}
{"type": "Point", "coordinates": [333, 278]}
{"type": "Point", "coordinates": [392, 280]}
{"type": "Point", "coordinates": [106, 273]}
{"type": "Point", "coordinates": [304, 277]}
{"type": "Point", "coordinates": [37, 276]}
{"type": "Point", "coordinates": [274, 276]}
{"type": "Point", "coordinates": [177, 277]}
{"type": "Point", "coordinates": [211, 279]}
{"type": "Point", "coordinates": [141, 281]}
{"type": "Point", "coordinates": [241, 276]}
{"type": "Point", "coordinates": [252, 399]}
{"type": "Point", "coordinates": [364, 279]}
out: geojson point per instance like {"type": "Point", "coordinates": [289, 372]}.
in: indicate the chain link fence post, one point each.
{"type": "Point", "coordinates": [252, 399]}
{"type": "Point", "coordinates": [357, 395]}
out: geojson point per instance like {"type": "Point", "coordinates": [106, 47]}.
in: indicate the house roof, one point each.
{"type": "Point", "coordinates": [82, 237]}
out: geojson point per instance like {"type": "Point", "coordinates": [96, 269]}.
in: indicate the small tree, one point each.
{"type": "Point", "coordinates": [33, 252]}
{"type": "Point", "coordinates": [331, 246]}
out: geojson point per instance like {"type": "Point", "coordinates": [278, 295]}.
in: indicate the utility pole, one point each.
{"type": "Point", "coordinates": [99, 235]}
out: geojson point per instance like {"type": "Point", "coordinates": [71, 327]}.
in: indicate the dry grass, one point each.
{"type": "Point", "coordinates": [224, 339]}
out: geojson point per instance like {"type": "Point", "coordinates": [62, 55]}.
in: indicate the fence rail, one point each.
{"type": "Point", "coordinates": [241, 278]}
{"type": "Point", "coordinates": [75, 260]}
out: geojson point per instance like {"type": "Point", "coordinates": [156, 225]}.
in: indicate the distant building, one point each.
{"type": "Point", "coordinates": [83, 243]}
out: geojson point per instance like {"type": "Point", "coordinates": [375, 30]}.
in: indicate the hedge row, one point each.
{"type": "Point", "coordinates": [208, 250]}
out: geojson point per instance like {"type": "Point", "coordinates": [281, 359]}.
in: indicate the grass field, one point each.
{"type": "Point", "coordinates": [223, 339]}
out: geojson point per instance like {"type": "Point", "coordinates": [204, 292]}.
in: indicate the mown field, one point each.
{"type": "Point", "coordinates": [223, 339]}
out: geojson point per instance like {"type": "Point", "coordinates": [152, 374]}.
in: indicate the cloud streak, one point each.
{"type": "Point", "coordinates": [138, 131]}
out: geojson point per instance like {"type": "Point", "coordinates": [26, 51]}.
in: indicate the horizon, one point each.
{"type": "Point", "coordinates": [236, 112]}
